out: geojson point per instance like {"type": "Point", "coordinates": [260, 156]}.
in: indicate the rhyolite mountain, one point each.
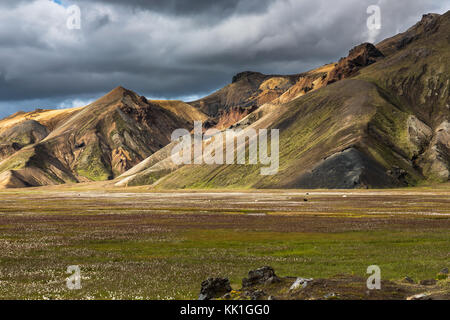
{"type": "Point", "coordinates": [378, 118]}
{"type": "Point", "coordinates": [94, 143]}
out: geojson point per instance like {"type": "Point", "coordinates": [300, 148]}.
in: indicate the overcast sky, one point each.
{"type": "Point", "coordinates": [175, 49]}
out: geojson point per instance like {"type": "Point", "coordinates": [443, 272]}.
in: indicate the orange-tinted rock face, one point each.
{"type": "Point", "coordinates": [121, 160]}
{"type": "Point", "coordinates": [232, 116]}
{"type": "Point", "coordinates": [302, 87]}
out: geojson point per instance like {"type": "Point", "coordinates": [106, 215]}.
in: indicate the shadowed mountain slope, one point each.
{"type": "Point", "coordinates": [416, 79]}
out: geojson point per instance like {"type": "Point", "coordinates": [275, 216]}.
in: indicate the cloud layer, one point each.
{"type": "Point", "coordinates": [176, 48]}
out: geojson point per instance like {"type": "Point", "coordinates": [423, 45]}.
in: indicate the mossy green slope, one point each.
{"type": "Point", "coordinates": [314, 127]}
{"type": "Point", "coordinates": [367, 115]}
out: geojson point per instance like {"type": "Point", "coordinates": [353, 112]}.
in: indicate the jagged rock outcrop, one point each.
{"type": "Point", "coordinates": [360, 56]}
{"type": "Point", "coordinates": [431, 148]}
{"type": "Point", "coordinates": [435, 162]}
{"type": "Point", "coordinates": [419, 134]}
{"type": "Point", "coordinates": [260, 276]}
{"type": "Point", "coordinates": [248, 90]}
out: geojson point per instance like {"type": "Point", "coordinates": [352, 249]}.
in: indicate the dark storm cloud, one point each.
{"type": "Point", "coordinates": [214, 9]}
{"type": "Point", "coordinates": [172, 49]}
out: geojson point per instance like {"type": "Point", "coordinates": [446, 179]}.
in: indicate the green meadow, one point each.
{"type": "Point", "coordinates": [162, 246]}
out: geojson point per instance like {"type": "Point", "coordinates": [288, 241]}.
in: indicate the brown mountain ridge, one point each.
{"type": "Point", "coordinates": [94, 143]}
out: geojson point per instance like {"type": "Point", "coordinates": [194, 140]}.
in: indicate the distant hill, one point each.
{"type": "Point", "coordinates": [94, 143]}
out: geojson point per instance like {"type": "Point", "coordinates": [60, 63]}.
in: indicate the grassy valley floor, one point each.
{"type": "Point", "coordinates": [143, 245]}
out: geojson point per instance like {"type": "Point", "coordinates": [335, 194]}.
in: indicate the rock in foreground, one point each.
{"type": "Point", "coordinates": [214, 288]}
{"type": "Point", "coordinates": [264, 284]}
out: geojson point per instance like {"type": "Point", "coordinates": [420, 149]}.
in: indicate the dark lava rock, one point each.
{"type": "Point", "coordinates": [397, 173]}
{"type": "Point", "coordinates": [430, 282]}
{"type": "Point", "coordinates": [214, 288]}
{"type": "Point", "coordinates": [273, 280]}
{"type": "Point", "coordinates": [443, 274]}
{"type": "Point", "coordinates": [259, 276]}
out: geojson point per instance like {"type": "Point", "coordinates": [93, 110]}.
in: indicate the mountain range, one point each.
{"type": "Point", "coordinates": [378, 118]}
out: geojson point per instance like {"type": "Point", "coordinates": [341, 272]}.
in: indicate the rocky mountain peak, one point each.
{"type": "Point", "coordinates": [429, 19]}
{"type": "Point", "coordinates": [364, 54]}
{"type": "Point", "coordinates": [360, 56]}
{"type": "Point", "coordinates": [249, 75]}
{"type": "Point", "coordinates": [424, 28]}
{"type": "Point", "coordinates": [121, 94]}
